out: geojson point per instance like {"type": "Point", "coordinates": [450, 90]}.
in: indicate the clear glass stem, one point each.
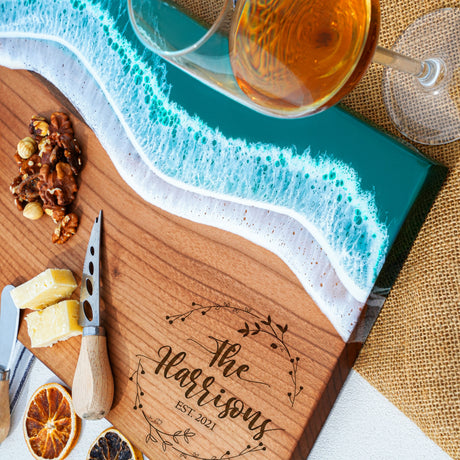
{"type": "Point", "coordinates": [429, 72]}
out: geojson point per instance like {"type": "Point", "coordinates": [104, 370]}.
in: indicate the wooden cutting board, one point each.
{"type": "Point", "coordinates": [216, 349]}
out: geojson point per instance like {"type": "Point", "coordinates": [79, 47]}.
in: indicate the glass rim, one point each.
{"type": "Point", "coordinates": [183, 51]}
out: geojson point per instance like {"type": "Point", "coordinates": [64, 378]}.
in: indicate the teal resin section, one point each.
{"type": "Point", "coordinates": [316, 184]}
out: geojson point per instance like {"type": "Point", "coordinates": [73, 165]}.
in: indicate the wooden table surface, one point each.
{"type": "Point", "coordinates": [155, 265]}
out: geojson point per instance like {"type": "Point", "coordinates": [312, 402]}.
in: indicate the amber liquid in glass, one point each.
{"type": "Point", "coordinates": [298, 57]}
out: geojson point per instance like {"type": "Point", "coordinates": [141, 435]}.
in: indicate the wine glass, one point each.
{"type": "Point", "coordinates": [294, 58]}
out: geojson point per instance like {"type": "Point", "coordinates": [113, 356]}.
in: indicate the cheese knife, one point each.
{"type": "Point", "coordinates": [9, 321]}
{"type": "Point", "coordinates": [92, 389]}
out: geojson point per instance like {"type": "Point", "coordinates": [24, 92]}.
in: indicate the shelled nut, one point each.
{"type": "Point", "coordinates": [33, 211]}
{"type": "Point", "coordinates": [26, 147]}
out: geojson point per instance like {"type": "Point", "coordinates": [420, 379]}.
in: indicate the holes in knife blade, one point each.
{"type": "Point", "coordinates": [91, 250]}
{"type": "Point", "coordinates": [89, 286]}
{"type": "Point", "coordinates": [91, 268]}
{"type": "Point", "coordinates": [88, 310]}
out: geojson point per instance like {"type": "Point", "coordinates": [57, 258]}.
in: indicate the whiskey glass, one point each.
{"type": "Point", "coordinates": [295, 58]}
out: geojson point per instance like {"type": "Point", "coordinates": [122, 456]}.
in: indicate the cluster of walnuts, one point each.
{"type": "Point", "coordinates": [49, 162]}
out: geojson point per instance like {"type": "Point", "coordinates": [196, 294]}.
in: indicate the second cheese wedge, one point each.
{"type": "Point", "coordinates": [45, 289]}
{"type": "Point", "coordinates": [58, 322]}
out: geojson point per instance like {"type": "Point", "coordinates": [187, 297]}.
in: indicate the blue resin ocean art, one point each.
{"type": "Point", "coordinates": [310, 204]}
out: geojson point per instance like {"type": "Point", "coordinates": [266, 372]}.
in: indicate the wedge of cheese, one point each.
{"type": "Point", "coordinates": [45, 289]}
{"type": "Point", "coordinates": [54, 323]}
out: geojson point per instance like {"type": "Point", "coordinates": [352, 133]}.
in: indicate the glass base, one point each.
{"type": "Point", "coordinates": [427, 115]}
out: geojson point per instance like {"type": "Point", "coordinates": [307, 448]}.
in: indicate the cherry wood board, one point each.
{"type": "Point", "coordinates": [216, 349]}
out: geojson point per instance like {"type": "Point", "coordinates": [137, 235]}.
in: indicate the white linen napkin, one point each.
{"type": "Point", "coordinates": [19, 372]}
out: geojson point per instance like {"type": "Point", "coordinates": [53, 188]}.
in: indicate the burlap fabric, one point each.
{"type": "Point", "coordinates": [208, 12]}
{"type": "Point", "coordinates": [412, 355]}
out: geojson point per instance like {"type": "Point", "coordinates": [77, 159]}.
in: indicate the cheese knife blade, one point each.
{"type": "Point", "coordinates": [89, 291]}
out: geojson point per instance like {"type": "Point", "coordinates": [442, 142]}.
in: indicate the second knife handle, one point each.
{"type": "Point", "coordinates": [4, 408]}
{"type": "Point", "coordinates": [92, 389]}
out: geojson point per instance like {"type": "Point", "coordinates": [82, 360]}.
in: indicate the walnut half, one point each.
{"type": "Point", "coordinates": [57, 188]}
{"type": "Point", "coordinates": [65, 229]}
{"type": "Point", "coordinates": [61, 133]}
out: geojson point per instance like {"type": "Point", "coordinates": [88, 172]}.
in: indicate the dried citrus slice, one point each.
{"type": "Point", "coordinates": [112, 445]}
{"type": "Point", "coordinates": [51, 426]}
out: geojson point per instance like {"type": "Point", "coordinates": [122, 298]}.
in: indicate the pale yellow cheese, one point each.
{"type": "Point", "coordinates": [54, 323]}
{"type": "Point", "coordinates": [45, 289]}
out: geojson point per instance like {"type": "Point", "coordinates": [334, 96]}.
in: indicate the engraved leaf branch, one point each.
{"type": "Point", "coordinates": [260, 325]}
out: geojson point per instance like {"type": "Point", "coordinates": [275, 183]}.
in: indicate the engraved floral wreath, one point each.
{"type": "Point", "coordinates": [259, 325]}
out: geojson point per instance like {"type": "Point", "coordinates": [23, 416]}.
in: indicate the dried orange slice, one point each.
{"type": "Point", "coordinates": [51, 426]}
{"type": "Point", "coordinates": [112, 445]}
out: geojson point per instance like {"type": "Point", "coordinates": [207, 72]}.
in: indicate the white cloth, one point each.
{"type": "Point", "coordinates": [23, 360]}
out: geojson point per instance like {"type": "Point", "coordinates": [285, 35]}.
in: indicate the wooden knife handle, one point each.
{"type": "Point", "coordinates": [92, 389]}
{"type": "Point", "coordinates": [4, 407]}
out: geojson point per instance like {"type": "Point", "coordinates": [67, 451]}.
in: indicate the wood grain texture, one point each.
{"type": "Point", "coordinates": [160, 274]}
